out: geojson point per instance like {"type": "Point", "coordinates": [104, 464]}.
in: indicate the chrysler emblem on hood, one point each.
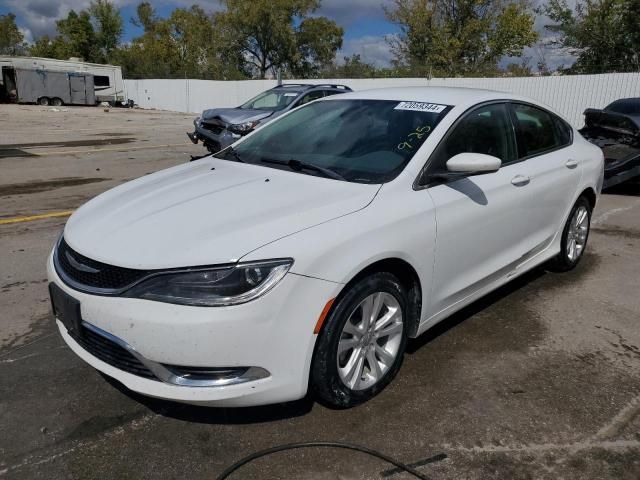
{"type": "Point", "coordinates": [80, 266]}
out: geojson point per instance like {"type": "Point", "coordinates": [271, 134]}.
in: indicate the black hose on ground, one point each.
{"type": "Point", "coordinates": [292, 446]}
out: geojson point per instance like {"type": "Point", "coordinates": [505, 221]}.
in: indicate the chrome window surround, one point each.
{"type": "Point", "coordinates": [167, 376]}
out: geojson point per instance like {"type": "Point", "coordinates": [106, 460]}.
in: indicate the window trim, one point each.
{"type": "Point", "coordinates": [555, 119]}
{"type": "Point", "coordinates": [509, 103]}
{"type": "Point", "coordinates": [425, 170]}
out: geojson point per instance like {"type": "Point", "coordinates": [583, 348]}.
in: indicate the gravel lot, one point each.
{"type": "Point", "coordinates": [539, 380]}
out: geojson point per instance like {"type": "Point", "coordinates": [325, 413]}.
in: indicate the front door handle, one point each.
{"type": "Point", "coordinates": [571, 163]}
{"type": "Point", "coordinates": [520, 180]}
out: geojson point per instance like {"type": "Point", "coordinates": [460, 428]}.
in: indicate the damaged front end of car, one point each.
{"type": "Point", "coordinates": [618, 135]}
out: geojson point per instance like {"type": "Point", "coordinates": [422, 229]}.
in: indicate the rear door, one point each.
{"type": "Point", "coordinates": [480, 226]}
{"type": "Point", "coordinates": [552, 169]}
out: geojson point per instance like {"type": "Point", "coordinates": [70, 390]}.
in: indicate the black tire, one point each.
{"type": "Point", "coordinates": [44, 101]}
{"type": "Point", "coordinates": [562, 262]}
{"type": "Point", "coordinates": [56, 102]}
{"type": "Point", "coordinates": [325, 379]}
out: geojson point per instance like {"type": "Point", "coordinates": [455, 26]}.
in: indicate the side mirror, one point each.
{"type": "Point", "coordinates": [467, 164]}
{"type": "Point", "coordinates": [473, 163]}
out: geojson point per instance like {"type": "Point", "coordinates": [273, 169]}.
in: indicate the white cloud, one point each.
{"type": "Point", "coordinates": [39, 16]}
{"type": "Point", "coordinates": [371, 48]}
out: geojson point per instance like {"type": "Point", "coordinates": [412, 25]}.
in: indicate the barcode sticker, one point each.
{"type": "Point", "coordinates": [420, 107]}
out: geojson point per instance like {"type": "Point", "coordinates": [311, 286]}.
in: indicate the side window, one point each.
{"type": "Point", "coordinates": [328, 93]}
{"type": "Point", "coordinates": [311, 96]}
{"type": "Point", "coordinates": [101, 81]}
{"type": "Point", "coordinates": [485, 130]}
{"type": "Point", "coordinates": [536, 129]}
{"type": "Point", "coordinates": [565, 132]}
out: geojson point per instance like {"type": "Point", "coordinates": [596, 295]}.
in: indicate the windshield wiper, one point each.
{"type": "Point", "coordinates": [235, 155]}
{"type": "Point", "coordinates": [298, 165]}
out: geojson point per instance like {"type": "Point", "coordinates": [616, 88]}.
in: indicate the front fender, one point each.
{"type": "Point", "coordinates": [399, 223]}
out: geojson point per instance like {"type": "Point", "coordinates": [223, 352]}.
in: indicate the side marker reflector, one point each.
{"type": "Point", "coordinates": [322, 317]}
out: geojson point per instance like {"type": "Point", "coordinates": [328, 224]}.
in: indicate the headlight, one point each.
{"type": "Point", "coordinates": [213, 287]}
{"type": "Point", "coordinates": [243, 128]}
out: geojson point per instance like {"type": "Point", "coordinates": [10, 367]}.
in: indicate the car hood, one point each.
{"type": "Point", "coordinates": [234, 116]}
{"type": "Point", "coordinates": [206, 212]}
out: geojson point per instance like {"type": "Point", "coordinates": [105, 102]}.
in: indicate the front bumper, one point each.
{"type": "Point", "coordinates": [213, 141]}
{"type": "Point", "coordinates": [273, 333]}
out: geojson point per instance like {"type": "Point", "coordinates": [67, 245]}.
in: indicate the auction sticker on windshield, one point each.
{"type": "Point", "coordinates": [420, 107]}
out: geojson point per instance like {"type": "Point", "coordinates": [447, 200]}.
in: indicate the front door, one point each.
{"type": "Point", "coordinates": [479, 218]}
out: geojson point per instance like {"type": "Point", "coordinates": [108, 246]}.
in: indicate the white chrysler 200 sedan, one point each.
{"type": "Point", "coordinates": [304, 256]}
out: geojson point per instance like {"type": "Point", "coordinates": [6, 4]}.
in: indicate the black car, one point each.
{"type": "Point", "coordinates": [220, 127]}
{"type": "Point", "coordinates": [616, 130]}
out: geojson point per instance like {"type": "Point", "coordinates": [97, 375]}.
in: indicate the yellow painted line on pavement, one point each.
{"type": "Point", "coordinates": [5, 221]}
{"type": "Point", "coordinates": [115, 149]}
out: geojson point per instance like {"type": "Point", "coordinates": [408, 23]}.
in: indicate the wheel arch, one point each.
{"type": "Point", "coordinates": [408, 276]}
{"type": "Point", "coordinates": [590, 194]}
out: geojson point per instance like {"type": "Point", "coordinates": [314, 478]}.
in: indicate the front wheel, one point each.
{"type": "Point", "coordinates": [574, 237]}
{"type": "Point", "coordinates": [361, 346]}
{"type": "Point", "coordinates": [44, 101]}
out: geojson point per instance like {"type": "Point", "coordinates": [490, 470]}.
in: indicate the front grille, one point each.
{"type": "Point", "coordinates": [215, 129]}
{"type": "Point", "coordinates": [84, 272]}
{"type": "Point", "coordinates": [111, 353]}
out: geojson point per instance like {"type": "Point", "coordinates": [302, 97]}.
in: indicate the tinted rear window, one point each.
{"type": "Point", "coordinates": [537, 131]}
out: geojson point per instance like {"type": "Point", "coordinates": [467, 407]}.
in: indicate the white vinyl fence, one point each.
{"type": "Point", "coordinates": [569, 95]}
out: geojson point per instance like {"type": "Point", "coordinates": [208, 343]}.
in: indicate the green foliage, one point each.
{"type": "Point", "coordinates": [188, 44]}
{"type": "Point", "coordinates": [109, 27]}
{"type": "Point", "coordinates": [603, 34]}
{"type": "Point", "coordinates": [77, 37]}
{"type": "Point", "coordinates": [353, 67]}
{"type": "Point", "coordinates": [459, 37]}
{"type": "Point", "coordinates": [268, 37]}
{"type": "Point", "coordinates": [11, 39]}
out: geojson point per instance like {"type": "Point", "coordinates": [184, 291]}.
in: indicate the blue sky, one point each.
{"type": "Point", "coordinates": [364, 22]}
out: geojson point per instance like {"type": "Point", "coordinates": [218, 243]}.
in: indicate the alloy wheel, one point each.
{"type": "Point", "coordinates": [577, 234]}
{"type": "Point", "coordinates": [370, 341]}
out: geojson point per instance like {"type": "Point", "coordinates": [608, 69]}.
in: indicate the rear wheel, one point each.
{"type": "Point", "coordinates": [361, 346]}
{"type": "Point", "coordinates": [574, 237]}
{"type": "Point", "coordinates": [44, 101]}
{"type": "Point", "coordinates": [56, 102]}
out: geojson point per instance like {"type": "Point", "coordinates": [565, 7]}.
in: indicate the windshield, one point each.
{"type": "Point", "coordinates": [272, 100]}
{"type": "Point", "coordinates": [364, 141]}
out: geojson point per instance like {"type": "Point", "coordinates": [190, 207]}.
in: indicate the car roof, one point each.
{"type": "Point", "coordinates": [456, 96]}
{"type": "Point", "coordinates": [303, 87]}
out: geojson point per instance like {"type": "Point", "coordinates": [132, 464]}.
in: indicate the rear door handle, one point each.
{"type": "Point", "coordinates": [571, 163]}
{"type": "Point", "coordinates": [520, 180]}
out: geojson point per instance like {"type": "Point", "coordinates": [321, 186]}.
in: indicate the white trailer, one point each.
{"type": "Point", "coordinates": [108, 83]}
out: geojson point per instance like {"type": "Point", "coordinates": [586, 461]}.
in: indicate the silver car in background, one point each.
{"type": "Point", "coordinates": [218, 128]}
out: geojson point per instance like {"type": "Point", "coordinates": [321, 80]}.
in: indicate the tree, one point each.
{"type": "Point", "coordinates": [317, 40]}
{"type": "Point", "coordinates": [188, 44]}
{"type": "Point", "coordinates": [78, 36]}
{"type": "Point", "coordinates": [353, 67]}
{"type": "Point", "coordinates": [459, 37]}
{"type": "Point", "coordinates": [603, 34]}
{"type": "Point", "coordinates": [11, 38]}
{"type": "Point", "coordinates": [108, 25]}
{"type": "Point", "coordinates": [275, 34]}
